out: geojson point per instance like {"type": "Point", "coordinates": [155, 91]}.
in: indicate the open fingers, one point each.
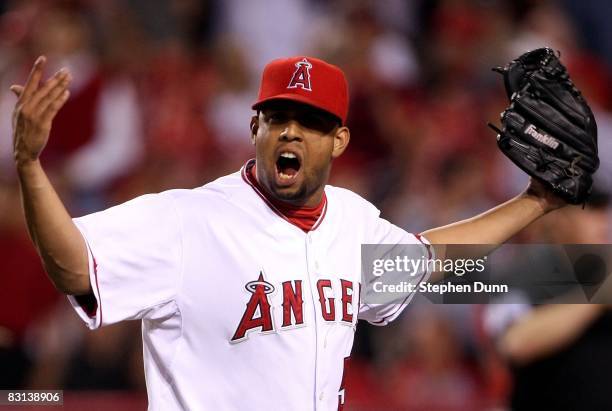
{"type": "Point", "coordinates": [33, 81]}
{"type": "Point", "coordinates": [50, 91]}
{"type": "Point", "coordinates": [44, 90]}
{"type": "Point", "coordinates": [17, 89]}
{"type": "Point", "coordinates": [54, 106]}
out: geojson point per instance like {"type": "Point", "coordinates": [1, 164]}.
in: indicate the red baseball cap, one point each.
{"type": "Point", "coordinates": [306, 80]}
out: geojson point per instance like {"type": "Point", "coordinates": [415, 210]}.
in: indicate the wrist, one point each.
{"type": "Point", "coordinates": [25, 164]}
{"type": "Point", "coordinates": [540, 204]}
{"type": "Point", "coordinates": [543, 197]}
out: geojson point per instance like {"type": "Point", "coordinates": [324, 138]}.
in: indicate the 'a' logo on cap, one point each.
{"type": "Point", "coordinates": [301, 75]}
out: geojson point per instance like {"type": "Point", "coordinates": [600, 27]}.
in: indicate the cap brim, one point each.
{"type": "Point", "coordinates": [297, 98]}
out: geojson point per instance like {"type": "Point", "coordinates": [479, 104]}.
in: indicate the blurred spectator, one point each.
{"type": "Point", "coordinates": [229, 108]}
{"type": "Point", "coordinates": [97, 135]}
{"type": "Point", "coordinates": [75, 358]}
{"type": "Point", "coordinates": [590, 16]}
{"type": "Point", "coordinates": [435, 375]}
{"type": "Point", "coordinates": [192, 22]}
{"type": "Point", "coordinates": [288, 29]}
{"type": "Point", "coordinates": [559, 354]}
{"type": "Point", "coordinates": [25, 292]}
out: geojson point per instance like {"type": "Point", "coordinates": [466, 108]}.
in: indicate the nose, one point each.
{"type": "Point", "coordinates": [292, 131]}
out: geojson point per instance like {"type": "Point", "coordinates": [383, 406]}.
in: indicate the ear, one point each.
{"type": "Point", "coordinates": [341, 141]}
{"type": "Point", "coordinates": [254, 127]}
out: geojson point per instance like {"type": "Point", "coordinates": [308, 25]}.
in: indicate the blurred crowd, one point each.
{"type": "Point", "coordinates": [161, 99]}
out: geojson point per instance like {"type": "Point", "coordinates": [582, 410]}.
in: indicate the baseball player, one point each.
{"type": "Point", "coordinates": [248, 288]}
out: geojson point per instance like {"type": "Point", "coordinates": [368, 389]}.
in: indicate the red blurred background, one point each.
{"type": "Point", "coordinates": [161, 99]}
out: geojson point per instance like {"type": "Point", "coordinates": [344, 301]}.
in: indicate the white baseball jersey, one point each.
{"type": "Point", "coordinates": [240, 308]}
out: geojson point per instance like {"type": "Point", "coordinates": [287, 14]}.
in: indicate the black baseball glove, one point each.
{"type": "Point", "coordinates": [548, 130]}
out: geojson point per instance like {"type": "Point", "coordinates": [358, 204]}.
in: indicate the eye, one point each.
{"type": "Point", "coordinates": [277, 117]}
{"type": "Point", "coordinates": [316, 121]}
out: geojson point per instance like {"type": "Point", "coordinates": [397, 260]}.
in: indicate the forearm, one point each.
{"type": "Point", "coordinates": [484, 232]}
{"type": "Point", "coordinates": [56, 237]}
{"type": "Point", "coordinates": [492, 227]}
{"type": "Point", "coordinates": [546, 330]}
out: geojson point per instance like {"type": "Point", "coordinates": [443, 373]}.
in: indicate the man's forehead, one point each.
{"type": "Point", "coordinates": [290, 106]}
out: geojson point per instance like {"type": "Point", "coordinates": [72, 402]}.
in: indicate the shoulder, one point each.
{"type": "Point", "coordinates": [226, 194]}
{"type": "Point", "coordinates": [167, 202]}
{"type": "Point", "coordinates": [349, 200]}
{"type": "Point", "coordinates": [344, 194]}
{"type": "Point", "coordinates": [222, 189]}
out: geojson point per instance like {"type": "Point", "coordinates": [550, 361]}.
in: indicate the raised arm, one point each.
{"type": "Point", "coordinates": [57, 239]}
{"type": "Point", "coordinates": [561, 151]}
{"type": "Point", "coordinates": [501, 223]}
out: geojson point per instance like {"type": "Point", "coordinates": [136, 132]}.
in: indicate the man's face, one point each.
{"type": "Point", "coordinates": [295, 145]}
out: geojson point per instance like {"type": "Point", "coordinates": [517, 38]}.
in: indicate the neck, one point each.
{"type": "Point", "coordinates": [303, 215]}
{"type": "Point", "coordinates": [311, 201]}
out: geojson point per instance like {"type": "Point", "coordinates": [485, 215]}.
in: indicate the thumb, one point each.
{"type": "Point", "coordinates": [17, 90]}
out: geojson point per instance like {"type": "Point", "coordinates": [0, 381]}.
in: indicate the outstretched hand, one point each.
{"type": "Point", "coordinates": [548, 200]}
{"type": "Point", "coordinates": [36, 107]}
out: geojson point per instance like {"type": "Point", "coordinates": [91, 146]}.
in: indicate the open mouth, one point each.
{"type": "Point", "coordinates": [287, 166]}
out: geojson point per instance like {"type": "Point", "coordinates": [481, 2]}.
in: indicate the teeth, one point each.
{"type": "Point", "coordinates": [288, 155]}
{"type": "Point", "coordinates": [283, 175]}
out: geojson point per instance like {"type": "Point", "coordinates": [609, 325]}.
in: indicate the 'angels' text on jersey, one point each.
{"type": "Point", "coordinates": [259, 312]}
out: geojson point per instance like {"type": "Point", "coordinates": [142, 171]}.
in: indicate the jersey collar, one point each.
{"type": "Point", "coordinates": [305, 218]}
